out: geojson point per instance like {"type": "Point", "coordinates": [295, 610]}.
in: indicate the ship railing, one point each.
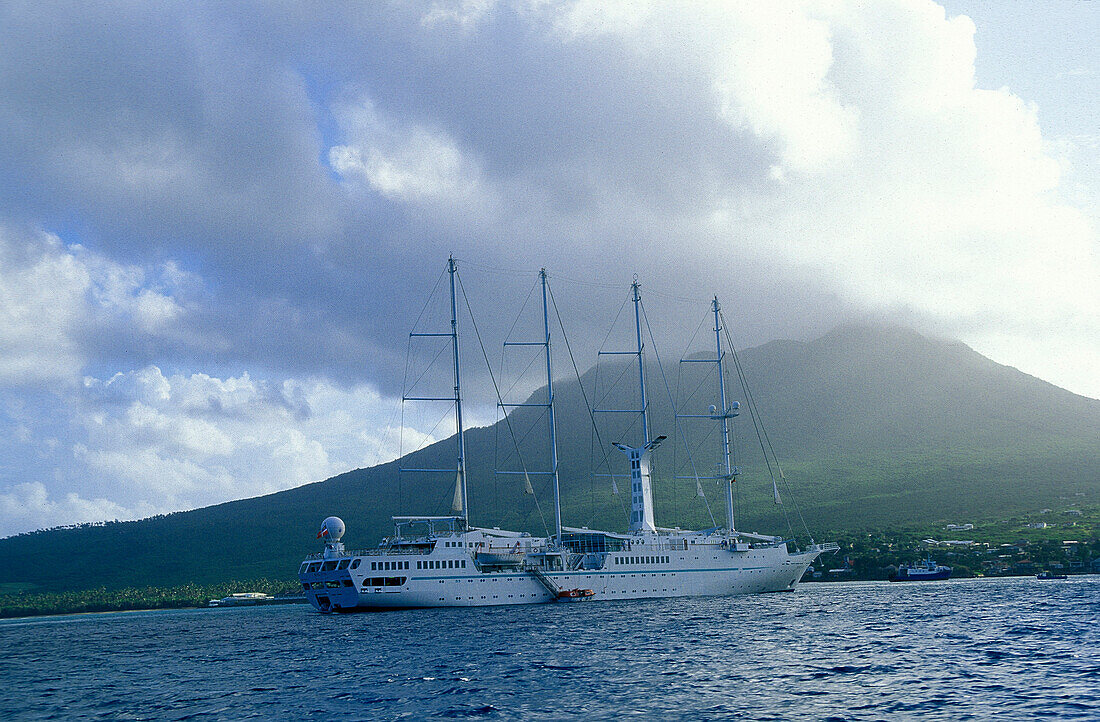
{"type": "Point", "coordinates": [373, 552]}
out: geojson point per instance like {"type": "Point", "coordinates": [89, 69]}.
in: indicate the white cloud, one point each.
{"type": "Point", "coordinates": [772, 76]}
{"type": "Point", "coordinates": [412, 163]}
{"type": "Point", "coordinates": [42, 305]}
{"type": "Point", "coordinates": [151, 442]}
{"type": "Point", "coordinates": [583, 19]}
{"type": "Point", "coordinates": [28, 506]}
{"type": "Point", "coordinates": [463, 14]}
{"type": "Point", "coordinates": [55, 298]}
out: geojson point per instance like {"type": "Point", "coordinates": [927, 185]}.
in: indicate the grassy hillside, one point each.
{"type": "Point", "coordinates": [875, 427]}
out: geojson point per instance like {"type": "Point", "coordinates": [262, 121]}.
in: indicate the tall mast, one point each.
{"type": "Point", "coordinates": [460, 482]}
{"type": "Point", "coordinates": [458, 504]}
{"type": "Point", "coordinates": [550, 404]}
{"type": "Point", "coordinates": [722, 415]}
{"type": "Point", "coordinates": [725, 416]}
{"type": "Point", "coordinates": [641, 371]}
{"type": "Point", "coordinates": [641, 486]}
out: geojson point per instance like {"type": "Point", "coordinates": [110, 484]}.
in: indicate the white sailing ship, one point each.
{"type": "Point", "coordinates": [443, 561]}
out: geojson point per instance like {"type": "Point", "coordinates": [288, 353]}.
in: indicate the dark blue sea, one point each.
{"type": "Point", "coordinates": [1004, 649]}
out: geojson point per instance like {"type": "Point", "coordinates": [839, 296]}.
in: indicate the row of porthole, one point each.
{"type": "Point", "coordinates": [642, 560]}
{"type": "Point", "coordinates": [441, 564]}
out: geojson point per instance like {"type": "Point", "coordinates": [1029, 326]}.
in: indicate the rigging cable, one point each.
{"type": "Point", "coordinates": [580, 384]}
{"type": "Point", "coordinates": [672, 403]}
{"type": "Point", "coordinates": [762, 436]}
{"type": "Point", "coordinates": [507, 419]}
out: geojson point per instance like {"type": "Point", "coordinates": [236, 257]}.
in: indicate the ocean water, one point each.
{"type": "Point", "coordinates": [1009, 649]}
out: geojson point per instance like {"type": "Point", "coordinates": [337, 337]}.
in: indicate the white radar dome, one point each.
{"type": "Point", "coordinates": [331, 529]}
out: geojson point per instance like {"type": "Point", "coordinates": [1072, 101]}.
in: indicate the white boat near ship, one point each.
{"type": "Point", "coordinates": [242, 599]}
{"type": "Point", "coordinates": [444, 561]}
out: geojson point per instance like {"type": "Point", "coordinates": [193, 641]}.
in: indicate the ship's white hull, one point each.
{"type": "Point", "coordinates": [703, 571]}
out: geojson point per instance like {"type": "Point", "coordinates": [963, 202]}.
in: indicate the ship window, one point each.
{"type": "Point", "coordinates": [332, 584]}
{"type": "Point", "coordinates": [328, 566]}
{"type": "Point", "coordinates": [463, 563]}
{"type": "Point", "coordinates": [305, 585]}
{"type": "Point", "coordinates": [305, 565]}
{"type": "Point", "coordinates": [318, 585]}
{"type": "Point", "coordinates": [343, 564]}
{"type": "Point", "coordinates": [373, 566]}
{"type": "Point", "coordinates": [314, 566]}
{"type": "Point", "coordinates": [418, 565]}
{"type": "Point", "coordinates": [347, 582]}
{"type": "Point", "coordinates": [355, 563]}
{"type": "Point", "coordinates": [406, 565]}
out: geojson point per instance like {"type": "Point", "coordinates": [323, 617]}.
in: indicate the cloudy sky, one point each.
{"type": "Point", "coordinates": [219, 221]}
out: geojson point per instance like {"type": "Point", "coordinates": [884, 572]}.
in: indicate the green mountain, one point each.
{"type": "Point", "coordinates": [874, 427]}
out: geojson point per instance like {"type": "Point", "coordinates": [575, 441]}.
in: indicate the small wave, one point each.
{"type": "Point", "coordinates": [458, 712]}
